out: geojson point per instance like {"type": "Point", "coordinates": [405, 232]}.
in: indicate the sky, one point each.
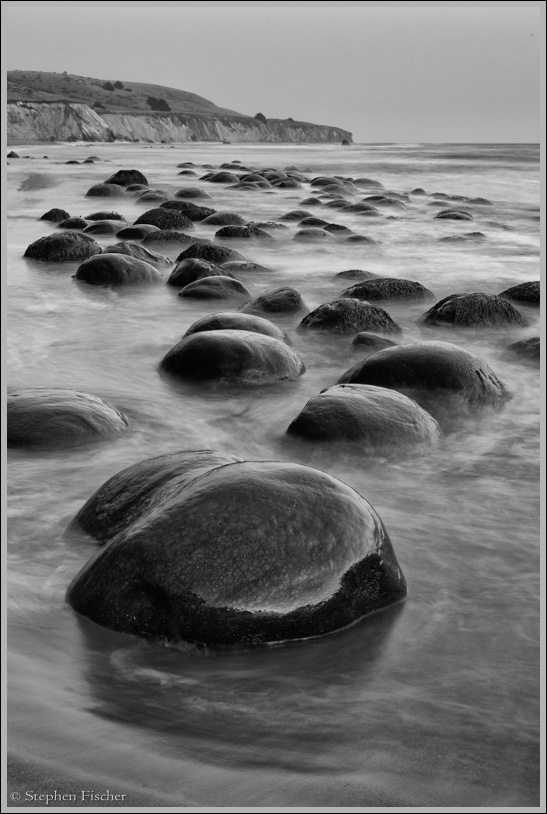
{"type": "Point", "coordinates": [388, 72]}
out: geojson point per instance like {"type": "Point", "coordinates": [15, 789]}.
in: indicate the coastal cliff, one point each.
{"type": "Point", "coordinates": [69, 121]}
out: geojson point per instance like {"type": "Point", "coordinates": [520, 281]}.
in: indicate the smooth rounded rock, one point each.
{"type": "Point", "coordinates": [140, 252]}
{"type": "Point", "coordinates": [55, 215]}
{"type": "Point", "coordinates": [126, 178]}
{"type": "Point", "coordinates": [136, 232]}
{"type": "Point", "coordinates": [225, 219]}
{"type": "Point", "coordinates": [105, 215]}
{"type": "Point", "coordinates": [55, 418]}
{"type": "Point", "coordinates": [375, 417]}
{"type": "Point", "coordinates": [192, 192]}
{"type": "Point", "coordinates": [117, 269]}
{"type": "Point", "coordinates": [216, 287]}
{"type": "Point", "coordinates": [527, 293]}
{"type": "Point", "coordinates": [475, 310]}
{"type": "Point", "coordinates": [169, 237]}
{"type": "Point", "coordinates": [63, 246]}
{"type": "Point", "coordinates": [345, 316]}
{"type": "Point", "coordinates": [388, 288]}
{"type": "Point", "coordinates": [356, 274]}
{"type": "Point", "coordinates": [234, 356]}
{"type": "Point", "coordinates": [283, 300]}
{"type": "Point", "coordinates": [192, 211]}
{"type": "Point", "coordinates": [210, 251]}
{"type": "Point", "coordinates": [165, 219]}
{"type": "Point", "coordinates": [237, 321]}
{"type": "Point", "coordinates": [529, 349]}
{"type": "Point", "coordinates": [103, 227]}
{"type": "Point", "coordinates": [431, 373]}
{"type": "Point", "coordinates": [210, 549]}
{"type": "Point", "coordinates": [105, 191]}
{"type": "Point", "coordinates": [248, 232]}
{"type": "Point", "coordinates": [73, 223]}
{"type": "Point", "coordinates": [194, 269]}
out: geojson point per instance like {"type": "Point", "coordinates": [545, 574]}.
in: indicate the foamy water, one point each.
{"type": "Point", "coordinates": [434, 702]}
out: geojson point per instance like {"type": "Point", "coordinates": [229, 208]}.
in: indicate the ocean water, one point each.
{"type": "Point", "coordinates": [432, 703]}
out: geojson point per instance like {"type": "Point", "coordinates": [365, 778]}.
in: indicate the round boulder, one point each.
{"type": "Point", "coordinates": [42, 417]}
{"type": "Point", "coordinates": [346, 316]}
{"type": "Point", "coordinates": [168, 237]}
{"type": "Point", "coordinates": [126, 178]}
{"type": "Point", "coordinates": [529, 349]}
{"type": "Point", "coordinates": [105, 191]}
{"type": "Point", "coordinates": [356, 274]}
{"type": "Point", "coordinates": [216, 287]}
{"type": "Point", "coordinates": [276, 301]}
{"type": "Point", "coordinates": [225, 219]}
{"type": "Point", "coordinates": [103, 227]}
{"type": "Point", "coordinates": [140, 252]}
{"type": "Point", "coordinates": [165, 219]}
{"type": "Point", "coordinates": [55, 215]}
{"type": "Point", "coordinates": [210, 549]}
{"type": "Point", "coordinates": [526, 293]}
{"type": "Point", "coordinates": [249, 232]}
{"type": "Point", "coordinates": [475, 310]}
{"type": "Point", "coordinates": [429, 373]}
{"type": "Point", "coordinates": [233, 355]}
{"type": "Point", "coordinates": [375, 417]}
{"type": "Point", "coordinates": [63, 246]}
{"type": "Point", "coordinates": [236, 321]}
{"type": "Point", "coordinates": [192, 211]}
{"type": "Point", "coordinates": [210, 251]}
{"type": "Point", "coordinates": [388, 288]}
{"type": "Point", "coordinates": [73, 223]}
{"type": "Point", "coordinates": [187, 271]}
{"type": "Point", "coordinates": [136, 232]}
{"type": "Point", "coordinates": [192, 192]}
{"type": "Point", "coordinates": [105, 216]}
{"type": "Point", "coordinates": [117, 269]}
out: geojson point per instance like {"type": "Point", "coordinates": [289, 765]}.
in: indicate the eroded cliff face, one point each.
{"type": "Point", "coordinates": [60, 121]}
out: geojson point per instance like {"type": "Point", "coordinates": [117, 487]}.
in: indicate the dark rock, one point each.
{"type": "Point", "coordinates": [105, 216]}
{"type": "Point", "coordinates": [287, 183]}
{"type": "Point", "coordinates": [140, 252]}
{"type": "Point", "coordinates": [192, 269]}
{"type": "Point", "coordinates": [165, 219]}
{"type": "Point", "coordinates": [368, 182]}
{"type": "Point", "coordinates": [117, 269]}
{"type": "Point", "coordinates": [225, 219]}
{"type": "Point", "coordinates": [475, 310]}
{"type": "Point", "coordinates": [465, 238]}
{"type": "Point", "coordinates": [236, 321]}
{"type": "Point", "coordinates": [238, 356]}
{"type": "Point", "coordinates": [242, 233]}
{"type": "Point", "coordinates": [276, 301]}
{"type": "Point", "coordinates": [337, 229]}
{"type": "Point", "coordinates": [13, 154]}
{"type": "Point", "coordinates": [375, 417]}
{"type": "Point", "coordinates": [369, 342]}
{"type": "Point", "coordinates": [356, 274]}
{"type": "Point", "coordinates": [359, 208]}
{"type": "Point", "coordinates": [137, 232]}
{"type": "Point", "coordinates": [42, 417]}
{"type": "Point", "coordinates": [296, 214]}
{"type": "Point", "coordinates": [311, 202]}
{"type": "Point", "coordinates": [311, 221]}
{"type": "Point", "coordinates": [453, 214]}
{"type": "Point", "coordinates": [136, 188]}
{"type": "Point", "coordinates": [418, 191]}
{"type": "Point", "coordinates": [216, 568]}
{"type": "Point", "coordinates": [192, 192]}
{"type": "Point", "coordinates": [105, 191]}
{"type": "Point", "coordinates": [216, 287]}
{"type": "Point", "coordinates": [237, 266]}
{"type": "Point", "coordinates": [359, 239]}
{"type": "Point", "coordinates": [527, 349]}
{"type": "Point", "coordinates": [126, 178]}
{"type": "Point", "coordinates": [103, 227]}
{"type": "Point", "coordinates": [387, 288]}
{"type": "Point", "coordinates": [191, 210]}
{"type": "Point", "coordinates": [55, 215]}
{"type": "Point", "coordinates": [63, 246]}
{"type": "Point", "coordinates": [431, 373]}
{"type": "Point", "coordinates": [165, 237]}
{"type": "Point", "coordinates": [223, 178]}
{"type": "Point", "coordinates": [72, 161]}
{"type": "Point", "coordinates": [210, 251]}
{"type": "Point", "coordinates": [527, 293]}
{"type": "Point", "coordinates": [73, 223]}
{"type": "Point", "coordinates": [322, 181]}
{"type": "Point", "coordinates": [345, 316]}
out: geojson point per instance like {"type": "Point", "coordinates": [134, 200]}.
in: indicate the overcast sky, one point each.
{"type": "Point", "coordinates": [387, 72]}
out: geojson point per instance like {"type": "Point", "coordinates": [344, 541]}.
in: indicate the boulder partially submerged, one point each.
{"type": "Point", "coordinates": [63, 246]}
{"type": "Point", "coordinates": [349, 315]}
{"type": "Point", "coordinates": [207, 548]}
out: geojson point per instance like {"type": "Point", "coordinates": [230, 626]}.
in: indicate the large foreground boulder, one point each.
{"type": "Point", "coordinates": [374, 417]}
{"type": "Point", "coordinates": [234, 356]}
{"type": "Point", "coordinates": [210, 549]}
{"type": "Point", "coordinates": [348, 315]}
{"type": "Point", "coordinates": [43, 417]}
{"type": "Point", "coordinates": [235, 320]}
{"type": "Point", "coordinates": [63, 246]}
{"type": "Point", "coordinates": [117, 269]}
{"type": "Point", "coordinates": [475, 310]}
{"type": "Point", "coordinates": [432, 373]}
